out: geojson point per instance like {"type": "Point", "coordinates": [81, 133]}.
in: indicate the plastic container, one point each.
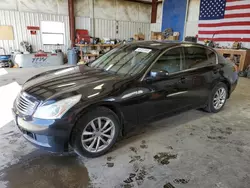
{"type": "Point", "coordinates": [72, 56]}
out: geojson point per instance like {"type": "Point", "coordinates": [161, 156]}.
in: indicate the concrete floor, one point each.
{"type": "Point", "coordinates": [192, 149]}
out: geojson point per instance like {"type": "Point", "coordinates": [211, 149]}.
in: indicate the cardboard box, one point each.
{"type": "Point", "coordinates": [157, 36]}
{"type": "Point", "coordinates": [173, 38]}
{"type": "Point", "coordinates": [139, 36]}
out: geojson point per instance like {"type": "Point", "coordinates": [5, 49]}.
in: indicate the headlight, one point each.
{"type": "Point", "coordinates": [57, 109]}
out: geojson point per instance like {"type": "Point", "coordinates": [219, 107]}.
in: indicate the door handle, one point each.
{"type": "Point", "coordinates": [182, 80]}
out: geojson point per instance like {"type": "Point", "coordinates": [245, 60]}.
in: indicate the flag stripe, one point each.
{"type": "Point", "coordinates": [226, 39]}
{"type": "Point", "coordinates": [225, 28]}
{"type": "Point", "coordinates": [225, 24]}
{"type": "Point", "coordinates": [233, 0]}
{"type": "Point", "coordinates": [236, 3]}
{"type": "Point", "coordinates": [226, 32]}
{"type": "Point", "coordinates": [237, 15]}
{"type": "Point", "coordinates": [225, 20]}
{"type": "Point", "coordinates": [237, 11]}
{"type": "Point", "coordinates": [225, 36]}
{"type": "Point", "coordinates": [238, 7]}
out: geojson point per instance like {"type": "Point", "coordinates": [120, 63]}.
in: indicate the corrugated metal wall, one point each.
{"type": "Point", "coordinates": [20, 21]}
{"type": "Point", "coordinates": [108, 28]}
{"type": "Point", "coordinates": [82, 23]}
{"type": "Point", "coordinates": [156, 27]}
{"type": "Point", "coordinates": [103, 28]}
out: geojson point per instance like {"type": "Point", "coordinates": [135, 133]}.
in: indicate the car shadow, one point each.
{"type": "Point", "coordinates": [173, 121]}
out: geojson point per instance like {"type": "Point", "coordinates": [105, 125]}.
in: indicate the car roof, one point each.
{"type": "Point", "coordinates": [161, 45]}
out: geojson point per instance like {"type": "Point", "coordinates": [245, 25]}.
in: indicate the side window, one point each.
{"type": "Point", "coordinates": [198, 57]}
{"type": "Point", "coordinates": [211, 57]}
{"type": "Point", "coordinates": [171, 61]}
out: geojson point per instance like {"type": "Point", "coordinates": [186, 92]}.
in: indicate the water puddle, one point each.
{"type": "Point", "coordinates": [47, 171]}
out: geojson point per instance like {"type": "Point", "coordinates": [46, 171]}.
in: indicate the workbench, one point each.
{"type": "Point", "coordinates": [244, 56]}
{"type": "Point", "coordinates": [81, 46]}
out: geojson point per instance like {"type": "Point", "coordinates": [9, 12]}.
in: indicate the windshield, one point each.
{"type": "Point", "coordinates": [126, 60]}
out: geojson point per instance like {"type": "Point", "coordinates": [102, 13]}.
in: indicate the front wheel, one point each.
{"type": "Point", "coordinates": [96, 132]}
{"type": "Point", "coordinates": [217, 98]}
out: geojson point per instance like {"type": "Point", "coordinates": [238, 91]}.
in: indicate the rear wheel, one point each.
{"type": "Point", "coordinates": [96, 132]}
{"type": "Point", "coordinates": [217, 98]}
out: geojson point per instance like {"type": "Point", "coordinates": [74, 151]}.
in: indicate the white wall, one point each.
{"type": "Point", "coordinates": [20, 21]}
{"type": "Point", "coordinates": [192, 18]}
{"type": "Point", "coordinates": [104, 9]}
{"type": "Point", "coordinates": [114, 10]}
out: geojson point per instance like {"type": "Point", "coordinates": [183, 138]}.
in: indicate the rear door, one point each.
{"type": "Point", "coordinates": [199, 69]}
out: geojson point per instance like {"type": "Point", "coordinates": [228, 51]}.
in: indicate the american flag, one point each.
{"type": "Point", "coordinates": [224, 20]}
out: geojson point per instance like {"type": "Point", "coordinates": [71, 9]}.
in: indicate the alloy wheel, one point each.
{"type": "Point", "coordinates": [219, 98]}
{"type": "Point", "coordinates": [98, 134]}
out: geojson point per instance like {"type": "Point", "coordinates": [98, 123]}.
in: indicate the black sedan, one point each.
{"type": "Point", "coordinates": [89, 106]}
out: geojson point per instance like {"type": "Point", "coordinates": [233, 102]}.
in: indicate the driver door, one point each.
{"type": "Point", "coordinates": [167, 94]}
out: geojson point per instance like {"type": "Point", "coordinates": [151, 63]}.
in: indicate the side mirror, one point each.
{"type": "Point", "coordinates": [158, 74]}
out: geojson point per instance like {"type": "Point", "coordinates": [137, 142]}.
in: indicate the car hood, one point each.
{"type": "Point", "coordinates": [70, 81]}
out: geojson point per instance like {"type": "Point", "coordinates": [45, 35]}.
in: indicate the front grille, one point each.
{"type": "Point", "coordinates": [25, 104]}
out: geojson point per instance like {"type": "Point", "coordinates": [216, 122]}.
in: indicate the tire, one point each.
{"type": "Point", "coordinates": [211, 107]}
{"type": "Point", "coordinates": [86, 124]}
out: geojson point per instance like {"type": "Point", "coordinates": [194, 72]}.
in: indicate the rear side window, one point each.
{"type": "Point", "coordinates": [198, 57]}
{"type": "Point", "coordinates": [211, 56]}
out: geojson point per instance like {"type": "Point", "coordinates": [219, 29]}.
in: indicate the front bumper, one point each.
{"type": "Point", "coordinates": [51, 135]}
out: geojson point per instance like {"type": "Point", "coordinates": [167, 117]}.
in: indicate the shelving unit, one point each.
{"type": "Point", "coordinates": [93, 46]}
{"type": "Point", "coordinates": [244, 56]}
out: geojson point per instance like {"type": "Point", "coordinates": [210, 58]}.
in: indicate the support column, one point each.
{"type": "Point", "coordinates": [71, 21]}
{"type": "Point", "coordinates": [154, 11]}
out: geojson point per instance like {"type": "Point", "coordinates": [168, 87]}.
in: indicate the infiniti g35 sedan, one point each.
{"type": "Point", "coordinates": [87, 107]}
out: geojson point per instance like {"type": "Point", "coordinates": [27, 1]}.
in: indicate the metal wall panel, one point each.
{"type": "Point", "coordinates": [129, 29]}
{"type": "Point", "coordinates": [120, 29]}
{"type": "Point", "coordinates": [155, 27]}
{"type": "Point", "coordinates": [82, 23]}
{"type": "Point", "coordinates": [20, 21]}
{"type": "Point", "coordinates": [105, 28]}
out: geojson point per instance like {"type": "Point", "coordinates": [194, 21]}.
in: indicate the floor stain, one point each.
{"type": "Point", "coordinates": [137, 176]}
{"type": "Point", "coordinates": [163, 158]}
{"type": "Point", "coordinates": [110, 165]}
{"type": "Point", "coordinates": [134, 149]}
{"type": "Point", "coordinates": [181, 181]}
{"type": "Point", "coordinates": [47, 171]}
{"type": "Point", "coordinates": [216, 137]}
{"type": "Point", "coordinates": [136, 158]}
{"type": "Point", "coordinates": [226, 131]}
{"type": "Point", "coordinates": [110, 158]}
{"type": "Point", "coordinates": [143, 144]}
{"type": "Point", "coordinates": [168, 185]}
{"type": "Point", "coordinates": [152, 178]}
{"type": "Point", "coordinates": [169, 147]}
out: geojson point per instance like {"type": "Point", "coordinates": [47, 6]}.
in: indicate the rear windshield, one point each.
{"type": "Point", "coordinates": [126, 60]}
